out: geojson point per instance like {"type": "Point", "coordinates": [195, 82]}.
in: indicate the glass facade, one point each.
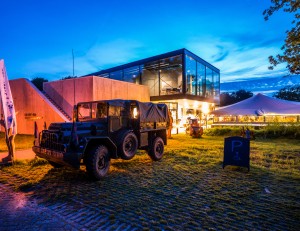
{"type": "Point", "coordinates": [150, 76]}
{"type": "Point", "coordinates": [216, 86]}
{"type": "Point", "coordinates": [191, 75]}
{"type": "Point", "coordinates": [132, 75]}
{"type": "Point", "coordinates": [170, 75]}
{"type": "Point", "coordinates": [118, 75]}
{"type": "Point", "coordinates": [174, 73]}
{"type": "Point", "coordinates": [189, 85]}
{"type": "Point", "coordinates": [209, 83]}
{"type": "Point", "coordinates": [200, 79]}
{"type": "Point", "coordinates": [163, 76]}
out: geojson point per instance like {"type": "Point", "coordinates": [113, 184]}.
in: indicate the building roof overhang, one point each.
{"type": "Point", "coordinates": [182, 51]}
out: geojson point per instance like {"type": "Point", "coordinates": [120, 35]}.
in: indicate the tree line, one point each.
{"type": "Point", "coordinates": [291, 93]}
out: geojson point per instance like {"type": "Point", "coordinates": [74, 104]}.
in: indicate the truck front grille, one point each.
{"type": "Point", "coordinates": [50, 140]}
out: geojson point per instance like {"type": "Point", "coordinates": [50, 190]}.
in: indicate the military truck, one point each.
{"type": "Point", "coordinates": [105, 130]}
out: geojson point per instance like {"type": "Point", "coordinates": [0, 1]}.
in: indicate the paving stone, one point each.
{"type": "Point", "coordinates": [167, 201]}
{"type": "Point", "coordinates": [18, 213]}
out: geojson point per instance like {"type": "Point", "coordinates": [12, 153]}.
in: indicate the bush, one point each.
{"type": "Point", "coordinates": [228, 131]}
{"type": "Point", "coordinates": [281, 131]}
{"type": "Point", "coordinates": [270, 131]}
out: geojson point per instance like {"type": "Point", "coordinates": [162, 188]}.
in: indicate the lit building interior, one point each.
{"type": "Point", "coordinates": [189, 85]}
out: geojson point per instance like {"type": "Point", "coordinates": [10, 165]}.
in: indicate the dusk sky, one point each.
{"type": "Point", "coordinates": [37, 37]}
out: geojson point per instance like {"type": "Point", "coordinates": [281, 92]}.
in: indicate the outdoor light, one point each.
{"type": "Point", "coordinates": [205, 108]}
{"type": "Point", "coordinates": [179, 113]}
{"type": "Point", "coordinates": [135, 113]}
{"type": "Point", "coordinates": [195, 104]}
{"type": "Point", "coordinates": [186, 105]}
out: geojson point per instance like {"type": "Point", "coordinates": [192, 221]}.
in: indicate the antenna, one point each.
{"type": "Point", "coordinates": [73, 61]}
{"type": "Point", "coordinates": [73, 75]}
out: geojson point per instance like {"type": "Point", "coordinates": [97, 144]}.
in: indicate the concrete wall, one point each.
{"type": "Point", "coordinates": [63, 94]}
{"type": "Point", "coordinates": [31, 105]}
{"type": "Point", "coordinates": [92, 88]}
{"type": "Point", "coordinates": [113, 89]}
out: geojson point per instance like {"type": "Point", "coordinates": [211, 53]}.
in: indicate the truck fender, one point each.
{"type": "Point", "coordinates": [92, 142]}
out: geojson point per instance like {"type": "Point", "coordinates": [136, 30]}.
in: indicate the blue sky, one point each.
{"type": "Point", "coordinates": [37, 37]}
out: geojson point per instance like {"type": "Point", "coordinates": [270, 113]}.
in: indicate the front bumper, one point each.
{"type": "Point", "coordinates": [71, 159]}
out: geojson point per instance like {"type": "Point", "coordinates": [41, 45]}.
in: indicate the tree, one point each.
{"type": "Point", "coordinates": [242, 95]}
{"type": "Point", "coordinates": [291, 48]}
{"type": "Point", "coordinates": [38, 82]}
{"type": "Point", "coordinates": [226, 99]}
{"type": "Point", "coordinates": [234, 97]}
{"type": "Point", "coordinates": [289, 93]}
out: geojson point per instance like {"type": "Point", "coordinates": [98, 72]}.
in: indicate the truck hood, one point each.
{"type": "Point", "coordinates": [56, 127]}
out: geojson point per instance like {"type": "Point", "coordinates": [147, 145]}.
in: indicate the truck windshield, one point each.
{"type": "Point", "coordinates": [92, 111]}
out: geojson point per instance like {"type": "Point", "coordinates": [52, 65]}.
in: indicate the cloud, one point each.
{"type": "Point", "coordinates": [222, 54]}
{"type": "Point", "coordinates": [113, 53]}
{"type": "Point", "coordinates": [54, 67]}
{"type": "Point", "coordinates": [99, 56]}
{"type": "Point", "coordinates": [238, 61]}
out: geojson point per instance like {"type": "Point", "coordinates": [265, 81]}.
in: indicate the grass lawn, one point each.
{"type": "Point", "coordinates": [186, 190]}
{"type": "Point", "coordinates": [21, 141]}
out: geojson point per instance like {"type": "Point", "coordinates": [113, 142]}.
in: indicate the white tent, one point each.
{"type": "Point", "coordinates": [260, 105]}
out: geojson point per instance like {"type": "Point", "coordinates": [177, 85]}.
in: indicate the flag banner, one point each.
{"type": "Point", "coordinates": [7, 102]}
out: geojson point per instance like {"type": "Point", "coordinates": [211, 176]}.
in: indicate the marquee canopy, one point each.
{"type": "Point", "coordinates": [260, 105]}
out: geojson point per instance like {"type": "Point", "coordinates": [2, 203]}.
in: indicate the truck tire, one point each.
{"type": "Point", "coordinates": [98, 162]}
{"type": "Point", "coordinates": [55, 165]}
{"type": "Point", "coordinates": [156, 149]}
{"type": "Point", "coordinates": [128, 145]}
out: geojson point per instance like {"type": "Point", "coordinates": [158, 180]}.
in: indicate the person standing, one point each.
{"type": "Point", "coordinates": [243, 132]}
{"type": "Point", "coordinates": [9, 139]}
{"type": "Point", "coordinates": [248, 134]}
{"type": "Point", "coordinates": [169, 131]}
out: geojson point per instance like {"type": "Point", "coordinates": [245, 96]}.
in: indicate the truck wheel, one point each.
{"type": "Point", "coordinates": [55, 165]}
{"type": "Point", "coordinates": [98, 162]}
{"type": "Point", "coordinates": [128, 145]}
{"type": "Point", "coordinates": [156, 149]}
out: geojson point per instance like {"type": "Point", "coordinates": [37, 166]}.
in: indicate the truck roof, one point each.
{"type": "Point", "coordinates": [149, 112]}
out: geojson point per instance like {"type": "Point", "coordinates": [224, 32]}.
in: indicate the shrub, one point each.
{"type": "Point", "coordinates": [270, 131]}
{"type": "Point", "coordinates": [281, 131]}
{"type": "Point", "coordinates": [227, 131]}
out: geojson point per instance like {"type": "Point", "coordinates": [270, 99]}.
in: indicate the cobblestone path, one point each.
{"type": "Point", "coordinates": [187, 190]}
{"type": "Point", "coordinates": [19, 212]}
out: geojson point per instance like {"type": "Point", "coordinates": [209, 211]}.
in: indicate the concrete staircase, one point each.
{"type": "Point", "coordinates": [57, 106]}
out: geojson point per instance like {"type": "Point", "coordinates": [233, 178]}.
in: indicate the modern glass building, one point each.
{"type": "Point", "coordinates": [188, 84]}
